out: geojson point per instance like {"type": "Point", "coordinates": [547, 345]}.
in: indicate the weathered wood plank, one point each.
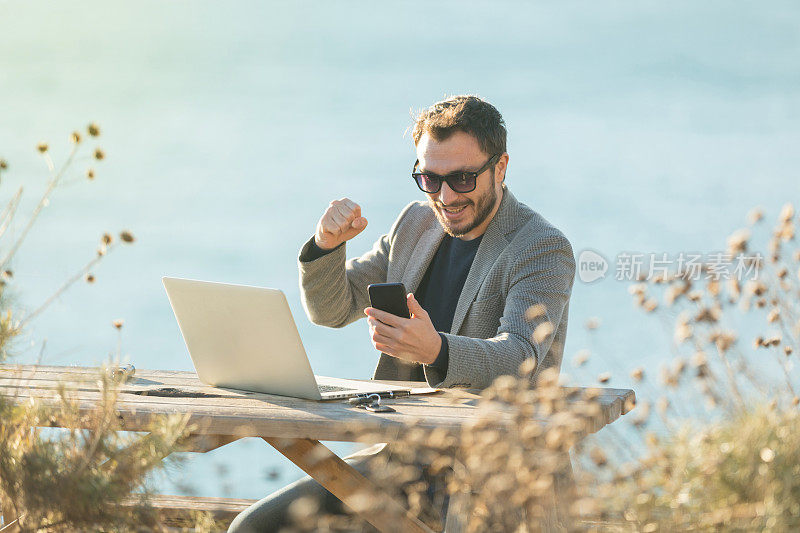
{"type": "Point", "coordinates": [206, 443]}
{"type": "Point", "coordinates": [342, 423]}
{"type": "Point", "coordinates": [239, 413]}
{"type": "Point", "coordinates": [131, 392]}
{"type": "Point", "coordinates": [190, 379]}
{"type": "Point", "coordinates": [178, 511]}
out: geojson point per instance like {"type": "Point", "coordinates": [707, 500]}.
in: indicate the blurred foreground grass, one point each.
{"type": "Point", "coordinates": [73, 478]}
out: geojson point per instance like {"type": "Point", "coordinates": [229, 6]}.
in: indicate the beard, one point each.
{"type": "Point", "coordinates": [482, 211]}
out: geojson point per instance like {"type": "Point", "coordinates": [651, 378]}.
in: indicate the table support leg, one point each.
{"type": "Point", "coordinates": [200, 443]}
{"type": "Point", "coordinates": [347, 484]}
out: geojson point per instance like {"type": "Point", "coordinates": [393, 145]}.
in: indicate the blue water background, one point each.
{"type": "Point", "coordinates": [228, 127]}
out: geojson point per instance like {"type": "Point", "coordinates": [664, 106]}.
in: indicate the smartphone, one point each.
{"type": "Point", "coordinates": [389, 297]}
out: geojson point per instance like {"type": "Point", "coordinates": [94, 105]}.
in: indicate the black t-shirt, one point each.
{"type": "Point", "coordinates": [441, 286]}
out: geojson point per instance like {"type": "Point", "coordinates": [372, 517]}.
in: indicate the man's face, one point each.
{"type": "Point", "coordinates": [463, 215]}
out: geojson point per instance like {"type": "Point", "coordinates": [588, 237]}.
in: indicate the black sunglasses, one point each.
{"type": "Point", "coordinates": [460, 182]}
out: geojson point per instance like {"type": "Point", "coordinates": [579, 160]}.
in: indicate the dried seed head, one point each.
{"type": "Point", "coordinates": [605, 377]}
{"type": "Point", "coordinates": [699, 359]}
{"type": "Point", "coordinates": [93, 129]}
{"type": "Point", "coordinates": [90, 173]}
{"type": "Point", "coordinates": [580, 358]}
{"type": "Point", "coordinates": [126, 236]}
{"type": "Point", "coordinates": [708, 314]}
{"type": "Point", "coordinates": [787, 212]}
{"type": "Point", "coordinates": [6, 275]}
{"type": "Point", "coordinates": [99, 154]}
{"type": "Point", "coordinates": [767, 455]}
{"type": "Point", "coordinates": [75, 137]}
{"type": "Point", "coordinates": [650, 305]}
{"type": "Point", "coordinates": [713, 287]}
{"type": "Point", "coordinates": [755, 215]}
{"type": "Point", "coordinates": [662, 405]}
{"type": "Point", "coordinates": [787, 231]}
{"type": "Point", "coordinates": [642, 414]}
{"type": "Point", "coordinates": [89, 278]}
{"type": "Point", "coordinates": [107, 238]}
{"type": "Point", "coordinates": [3, 164]}
{"type": "Point", "coordinates": [637, 374]}
{"type": "Point", "coordinates": [542, 332]}
{"type": "Point", "coordinates": [672, 293]}
{"type": "Point", "coordinates": [591, 393]}
{"type": "Point", "coordinates": [637, 288]}
{"type": "Point", "coordinates": [598, 457]}
{"type": "Point", "coordinates": [303, 509]}
{"type": "Point", "coordinates": [42, 147]}
{"type": "Point", "coordinates": [737, 241]}
{"type": "Point", "coordinates": [527, 366]}
{"type": "Point", "coordinates": [724, 340]}
{"type": "Point", "coordinates": [118, 323]}
{"type": "Point", "coordinates": [535, 311]}
{"type": "Point", "coordinates": [787, 350]}
{"type": "Point", "coordinates": [773, 315]}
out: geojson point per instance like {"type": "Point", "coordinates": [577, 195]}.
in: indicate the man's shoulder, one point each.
{"type": "Point", "coordinates": [532, 225]}
{"type": "Point", "coordinates": [535, 231]}
{"type": "Point", "coordinates": [415, 214]}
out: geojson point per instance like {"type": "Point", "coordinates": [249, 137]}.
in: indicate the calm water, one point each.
{"type": "Point", "coordinates": [638, 126]}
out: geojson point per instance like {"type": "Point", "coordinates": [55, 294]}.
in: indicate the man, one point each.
{"type": "Point", "coordinates": [474, 259]}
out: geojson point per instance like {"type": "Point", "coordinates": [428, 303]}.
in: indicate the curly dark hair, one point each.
{"type": "Point", "coordinates": [466, 113]}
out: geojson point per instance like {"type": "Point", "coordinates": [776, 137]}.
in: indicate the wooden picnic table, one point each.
{"type": "Point", "coordinates": [293, 426]}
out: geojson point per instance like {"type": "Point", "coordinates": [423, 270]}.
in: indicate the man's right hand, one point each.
{"type": "Point", "coordinates": [341, 222]}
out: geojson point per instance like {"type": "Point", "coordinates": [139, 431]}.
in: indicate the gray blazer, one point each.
{"type": "Point", "coordinates": [522, 260]}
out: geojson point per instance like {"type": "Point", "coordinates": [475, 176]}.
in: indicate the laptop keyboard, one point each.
{"type": "Point", "coordinates": [333, 388]}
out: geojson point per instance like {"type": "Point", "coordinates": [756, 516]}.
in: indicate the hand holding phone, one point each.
{"type": "Point", "coordinates": [389, 297]}
{"type": "Point", "coordinates": [417, 341]}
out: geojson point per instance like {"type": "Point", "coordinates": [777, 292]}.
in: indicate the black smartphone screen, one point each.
{"type": "Point", "coordinates": [389, 297]}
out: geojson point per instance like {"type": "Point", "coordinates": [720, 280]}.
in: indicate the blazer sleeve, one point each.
{"type": "Point", "coordinates": [334, 290]}
{"type": "Point", "coordinates": [542, 274]}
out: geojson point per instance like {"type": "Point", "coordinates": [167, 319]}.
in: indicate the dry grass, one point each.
{"type": "Point", "coordinates": [75, 478]}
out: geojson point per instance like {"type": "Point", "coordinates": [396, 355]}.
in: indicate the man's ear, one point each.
{"type": "Point", "coordinates": [500, 168]}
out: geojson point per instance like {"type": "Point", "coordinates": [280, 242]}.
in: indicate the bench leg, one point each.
{"type": "Point", "coordinates": [457, 512]}
{"type": "Point", "coordinates": [344, 482]}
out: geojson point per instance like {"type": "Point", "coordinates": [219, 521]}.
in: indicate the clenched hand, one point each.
{"type": "Point", "coordinates": [341, 222]}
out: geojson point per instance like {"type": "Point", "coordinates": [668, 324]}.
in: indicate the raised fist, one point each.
{"type": "Point", "coordinates": [341, 222]}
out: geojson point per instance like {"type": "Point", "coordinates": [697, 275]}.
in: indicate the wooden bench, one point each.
{"type": "Point", "coordinates": [181, 511]}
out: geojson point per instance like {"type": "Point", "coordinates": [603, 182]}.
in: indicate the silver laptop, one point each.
{"type": "Point", "coordinates": [244, 337]}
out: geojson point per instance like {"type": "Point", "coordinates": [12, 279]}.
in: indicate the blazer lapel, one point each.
{"type": "Point", "coordinates": [492, 245]}
{"type": "Point", "coordinates": [421, 257]}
